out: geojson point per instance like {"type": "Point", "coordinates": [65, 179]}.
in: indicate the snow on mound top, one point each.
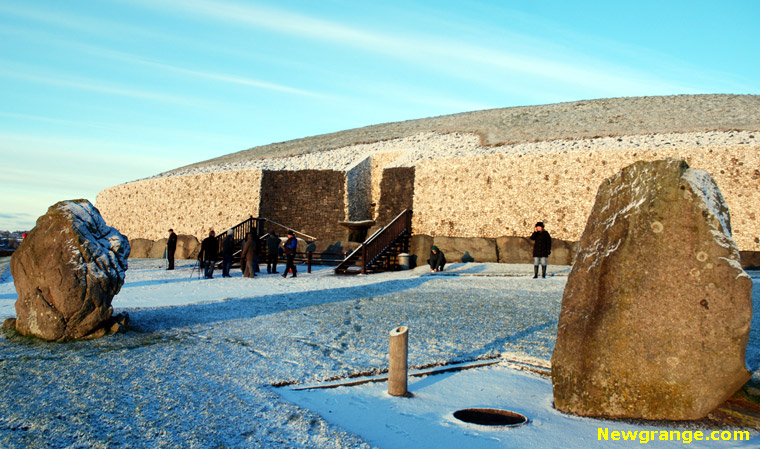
{"type": "Point", "coordinates": [433, 145]}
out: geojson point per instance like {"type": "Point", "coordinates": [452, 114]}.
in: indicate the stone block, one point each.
{"type": "Point", "coordinates": [158, 250]}
{"type": "Point", "coordinates": [515, 249]}
{"type": "Point", "coordinates": [458, 249]}
{"type": "Point", "coordinates": [140, 248]}
{"type": "Point", "coordinates": [656, 312]}
{"type": "Point", "coordinates": [419, 249]}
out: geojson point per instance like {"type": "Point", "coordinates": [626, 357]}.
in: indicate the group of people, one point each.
{"type": "Point", "coordinates": [542, 247]}
{"type": "Point", "coordinates": [249, 255]}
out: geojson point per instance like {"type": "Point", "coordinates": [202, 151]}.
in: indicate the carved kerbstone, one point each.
{"type": "Point", "coordinates": [656, 312]}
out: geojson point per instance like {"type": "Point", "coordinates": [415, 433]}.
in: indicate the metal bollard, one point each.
{"type": "Point", "coordinates": [397, 358]}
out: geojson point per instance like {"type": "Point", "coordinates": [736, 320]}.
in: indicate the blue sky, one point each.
{"type": "Point", "coordinates": [97, 93]}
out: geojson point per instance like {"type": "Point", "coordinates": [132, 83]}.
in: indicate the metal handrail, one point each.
{"type": "Point", "coordinates": [289, 229]}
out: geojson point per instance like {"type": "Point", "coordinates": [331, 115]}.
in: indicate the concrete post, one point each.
{"type": "Point", "coordinates": [397, 358]}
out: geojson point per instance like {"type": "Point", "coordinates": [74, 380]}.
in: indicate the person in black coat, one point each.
{"type": "Point", "coordinates": [437, 260]}
{"type": "Point", "coordinates": [228, 247]}
{"type": "Point", "coordinates": [209, 250]}
{"type": "Point", "coordinates": [171, 247]}
{"type": "Point", "coordinates": [542, 247]}
{"type": "Point", "coordinates": [273, 251]}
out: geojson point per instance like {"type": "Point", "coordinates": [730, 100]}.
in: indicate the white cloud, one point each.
{"type": "Point", "coordinates": [462, 59]}
{"type": "Point", "coordinates": [26, 73]}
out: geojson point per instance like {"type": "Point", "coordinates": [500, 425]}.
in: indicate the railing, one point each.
{"type": "Point", "coordinates": [255, 225]}
{"type": "Point", "coordinates": [379, 242]}
{"type": "Point", "coordinates": [343, 266]}
{"type": "Point", "coordinates": [240, 231]}
{"type": "Point", "coordinates": [306, 237]}
{"type": "Point", "coordinates": [374, 246]}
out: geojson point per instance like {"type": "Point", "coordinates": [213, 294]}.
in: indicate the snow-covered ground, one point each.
{"type": "Point", "coordinates": [197, 366]}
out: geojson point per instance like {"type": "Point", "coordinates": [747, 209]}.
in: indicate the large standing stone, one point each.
{"type": "Point", "coordinates": [66, 273]}
{"type": "Point", "coordinates": [656, 312]}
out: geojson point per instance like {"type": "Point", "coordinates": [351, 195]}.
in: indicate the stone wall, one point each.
{"type": "Point", "coordinates": [379, 162]}
{"type": "Point", "coordinates": [359, 190]}
{"type": "Point", "coordinates": [396, 193]}
{"type": "Point", "coordinates": [190, 204]}
{"type": "Point", "coordinates": [311, 201]}
{"type": "Point", "coordinates": [456, 187]}
{"type": "Point", "coordinates": [505, 194]}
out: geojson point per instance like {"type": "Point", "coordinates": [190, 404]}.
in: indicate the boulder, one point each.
{"type": "Point", "coordinates": [750, 260]}
{"type": "Point", "coordinates": [158, 250]}
{"type": "Point", "coordinates": [140, 248]}
{"type": "Point", "coordinates": [562, 253]}
{"type": "Point", "coordinates": [515, 249]}
{"type": "Point", "coordinates": [656, 312]}
{"type": "Point", "coordinates": [188, 247]}
{"type": "Point", "coordinates": [472, 249]}
{"type": "Point", "coordinates": [66, 273]}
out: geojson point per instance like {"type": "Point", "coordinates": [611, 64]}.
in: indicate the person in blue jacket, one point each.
{"type": "Point", "coordinates": [290, 254]}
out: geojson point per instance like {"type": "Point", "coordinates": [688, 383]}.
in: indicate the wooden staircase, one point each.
{"type": "Point", "coordinates": [380, 252]}
{"type": "Point", "coordinates": [240, 232]}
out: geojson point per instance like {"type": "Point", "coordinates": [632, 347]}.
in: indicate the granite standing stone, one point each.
{"type": "Point", "coordinates": [656, 312]}
{"type": "Point", "coordinates": [66, 273]}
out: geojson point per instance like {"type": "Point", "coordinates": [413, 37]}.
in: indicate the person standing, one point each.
{"type": "Point", "coordinates": [228, 247]}
{"type": "Point", "coordinates": [542, 247]}
{"type": "Point", "coordinates": [290, 253]}
{"type": "Point", "coordinates": [273, 251]}
{"type": "Point", "coordinates": [437, 260]}
{"type": "Point", "coordinates": [171, 247]}
{"type": "Point", "coordinates": [248, 256]}
{"type": "Point", "coordinates": [209, 250]}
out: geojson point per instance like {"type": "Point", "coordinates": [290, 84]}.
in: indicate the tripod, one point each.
{"type": "Point", "coordinates": [197, 266]}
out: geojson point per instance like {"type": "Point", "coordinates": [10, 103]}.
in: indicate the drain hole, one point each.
{"type": "Point", "coordinates": [490, 417]}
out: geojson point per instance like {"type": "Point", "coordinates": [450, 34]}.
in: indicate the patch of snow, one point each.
{"type": "Point", "coordinates": [703, 185]}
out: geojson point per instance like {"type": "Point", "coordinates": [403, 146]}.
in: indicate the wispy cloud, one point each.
{"type": "Point", "coordinates": [87, 24]}
{"type": "Point", "coordinates": [103, 52]}
{"type": "Point", "coordinates": [233, 79]}
{"type": "Point", "coordinates": [27, 73]}
{"type": "Point", "coordinates": [457, 58]}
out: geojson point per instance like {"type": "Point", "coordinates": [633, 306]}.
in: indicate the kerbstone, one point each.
{"type": "Point", "coordinates": [656, 312]}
